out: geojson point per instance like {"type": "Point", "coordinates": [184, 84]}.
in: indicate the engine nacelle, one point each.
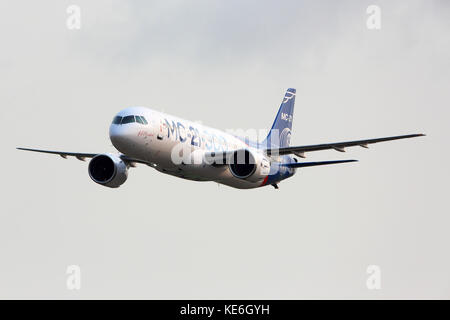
{"type": "Point", "coordinates": [249, 165]}
{"type": "Point", "coordinates": [108, 170]}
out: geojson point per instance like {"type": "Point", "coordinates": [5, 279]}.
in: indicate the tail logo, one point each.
{"type": "Point", "coordinates": [289, 95]}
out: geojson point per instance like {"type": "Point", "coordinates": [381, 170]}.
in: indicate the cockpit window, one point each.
{"type": "Point", "coordinates": [128, 119]}
{"type": "Point", "coordinates": [139, 120]}
{"type": "Point", "coordinates": [117, 120]}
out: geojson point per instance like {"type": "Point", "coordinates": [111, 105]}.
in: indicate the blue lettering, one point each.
{"type": "Point", "coordinates": [182, 139]}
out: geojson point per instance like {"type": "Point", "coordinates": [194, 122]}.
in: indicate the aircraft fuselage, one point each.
{"type": "Point", "coordinates": [164, 136]}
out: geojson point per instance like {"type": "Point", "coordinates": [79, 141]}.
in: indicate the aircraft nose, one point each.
{"type": "Point", "coordinates": [124, 131]}
{"type": "Point", "coordinates": [114, 133]}
{"type": "Point", "coordinates": [121, 137]}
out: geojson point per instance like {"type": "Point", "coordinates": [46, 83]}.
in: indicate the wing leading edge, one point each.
{"type": "Point", "coordinates": [83, 156]}
{"type": "Point", "coordinates": [80, 156]}
{"type": "Point", "coordinates": [338, 146]}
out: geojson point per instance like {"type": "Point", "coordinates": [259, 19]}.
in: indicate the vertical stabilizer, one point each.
{"type": "Point", "coordinates": [280, 134]}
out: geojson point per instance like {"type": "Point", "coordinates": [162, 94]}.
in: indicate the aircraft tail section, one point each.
{"type": "Point", "coordinates": [280, 134]}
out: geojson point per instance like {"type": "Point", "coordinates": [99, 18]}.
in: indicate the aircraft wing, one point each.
{"type": "Point", "coordinates": [338, 146]}
{"type": "Point", "coordinates": [83, 156]}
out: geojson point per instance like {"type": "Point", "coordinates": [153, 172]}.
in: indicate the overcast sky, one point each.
{"type": "Point", "coordinates": [227, 64]}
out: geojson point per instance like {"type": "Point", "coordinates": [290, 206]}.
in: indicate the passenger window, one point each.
{"type": "Point", "coordinates": [128, 119]}
{"type": "Point", "coordinates": [144, 120]}
{"type": "Point", "coordinates": [117, 120]}
{"type": "Point", "coordinates": [139, 120]}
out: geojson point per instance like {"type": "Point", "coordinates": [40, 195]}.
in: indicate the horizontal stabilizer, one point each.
{"type": "Point", "coordinates": [312, 164]}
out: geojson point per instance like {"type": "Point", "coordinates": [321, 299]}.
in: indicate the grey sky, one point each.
{"type": "Point", "coordinates": [227, 63]}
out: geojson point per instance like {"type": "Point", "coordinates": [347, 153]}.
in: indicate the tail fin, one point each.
{"type": "Point", "coordinates": [280, 134]}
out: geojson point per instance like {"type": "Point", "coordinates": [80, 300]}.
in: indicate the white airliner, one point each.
{"type": "Point", "coordinates": [192, 151]}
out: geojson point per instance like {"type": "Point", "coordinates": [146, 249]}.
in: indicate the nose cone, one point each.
{"type": "Point", "coordinates": [125, 128]}
{"type": "Point", "coordinates": [122, 137]}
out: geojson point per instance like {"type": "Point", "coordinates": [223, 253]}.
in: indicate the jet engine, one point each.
{"type": "Point", "coordinates": [249, 165]}
{"type": "Point", "coordinates": [109, 170]}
